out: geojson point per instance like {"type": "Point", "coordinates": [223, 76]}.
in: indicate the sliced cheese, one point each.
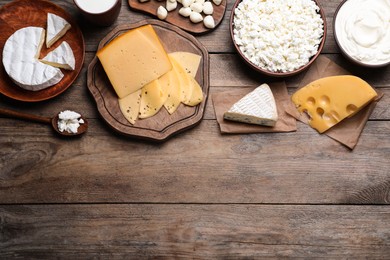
{"type": "Point", "coordinates": [130, 106]}
{"type": "Point", "coordinates": [258, 107]}
{"type": "Point", "coordinates": [61, 57]}
{"type": "Point", "coordinates": [329, 100]}
{"type": "Point", "coordinates": [133, 60]}
{"type": "Point", "coordinates": [196, 93]}
{"type": "Point", "coordinates": [20, 60]}
{"type": "Point", "coordinates": [173, 99]}
{"type": "Point", "coordinates": [189, 61]}
{"type": "Point", "coordinates": [184, 81]}
{"type": "Point", "coordinates": [56, 28]}
{"type": "Point", "coordinates": [152, 99]}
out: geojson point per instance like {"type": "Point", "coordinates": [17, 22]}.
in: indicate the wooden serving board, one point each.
{"type": "Point", "coordinates": [23, 13]}
{"type": "Point", "coordinates": [175, 18]}
{"type": "Point", "coordinates": [162, 125]}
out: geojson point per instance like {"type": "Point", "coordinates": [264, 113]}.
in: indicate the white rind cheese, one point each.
{"type": "Point", "coordinates": [61, 57]}
{"type": "Point", "coordinates": [258, 107]}
{"type": "Point", "coordinates": [56, 28]}
{"type": "Point", "coordinates": [20, 60]}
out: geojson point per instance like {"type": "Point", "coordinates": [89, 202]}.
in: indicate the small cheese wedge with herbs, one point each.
{"type": "Point", "coordinates": [329, 100]}
{"type": "Point", "coordinates": [257, 107]}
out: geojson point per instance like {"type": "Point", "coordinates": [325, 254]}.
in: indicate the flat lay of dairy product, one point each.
{"type": "Point", "coordinates": [362, 29]}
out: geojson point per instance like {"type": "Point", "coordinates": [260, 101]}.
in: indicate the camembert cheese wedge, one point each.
{"type": "Point", "coordinates": [20, 59]}
{"type": "Point", "coordinates": [329, 100]}
{"type": "Point", "coordinates": [258, 107]}
{"type": "Point", "coordinates": [61, 57]}
{"type": "Point", "coordinates": [56, 28]}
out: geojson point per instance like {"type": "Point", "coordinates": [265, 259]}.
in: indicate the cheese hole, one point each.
{"type": "Point", "coordinates": [351, 108]}
{"type": "Point", "coordinates": [324, 100]}
{"type": "Point", "coordinates": [311, 101]}
{"type": "Point", "coordinates": [320, 111]}
{"type": "Point", "coordinates": [332, 117]}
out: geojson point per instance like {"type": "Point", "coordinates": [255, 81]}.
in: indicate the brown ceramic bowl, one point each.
{"type": "Point", "coordinates": [268, 72]}
{"type": "Point", "coordinates": [105, 18]}
{"type": "Point", "coordinates": [345, 52]}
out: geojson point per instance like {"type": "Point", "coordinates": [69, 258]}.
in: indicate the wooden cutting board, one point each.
{"type": "Point", "coordinates": [23, 13]}
{"type": "Point", "coordinates": [163, 125]}
{"type": "Point", "coordinates": [175, 18]}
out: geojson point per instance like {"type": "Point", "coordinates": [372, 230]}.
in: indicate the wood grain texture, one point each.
{"type": "Point", "coordinates": [100, 167]}
{"type": "Point", "coordinates": [194, 232]}
{"type": "Point", "coordinates": [201, 195]}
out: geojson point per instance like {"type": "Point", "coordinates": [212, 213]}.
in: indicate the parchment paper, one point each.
{"type": "Point", "coordinates": [224, 100]}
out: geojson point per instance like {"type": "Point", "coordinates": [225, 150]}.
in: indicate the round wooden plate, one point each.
{"type": "Point", "coordinates": [23, 13]}
{"type": "Point", "coordinates": [162, 125]}
{"type": "Point", "coordinates": [175, 18]}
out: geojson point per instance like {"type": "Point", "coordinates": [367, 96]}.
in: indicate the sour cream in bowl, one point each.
{"type": "Point", "coordinates": [362, 31]}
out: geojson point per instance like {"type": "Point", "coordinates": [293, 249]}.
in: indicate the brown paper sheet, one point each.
{"type": "Point", "coordinates": [224, 100]}
{"type": "Point", "coordinates": [348, 131]}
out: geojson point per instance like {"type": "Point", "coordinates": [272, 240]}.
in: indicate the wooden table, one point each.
{"type": "Point", "coordinates": [200, 194]}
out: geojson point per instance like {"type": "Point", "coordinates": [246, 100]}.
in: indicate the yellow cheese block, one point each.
{"type": "Point", "coordinates": [130, 105]}
{"type": "Point", "coordinates": [173, 99]}
{"type": "Point", "coordinates": [152, 99]}
{"type": "Point", "coordinates": [329, 100]}
{"type": "Point", "coordinates": [189, 61]}
{"type": "Point", "coordinates": [134, 59]}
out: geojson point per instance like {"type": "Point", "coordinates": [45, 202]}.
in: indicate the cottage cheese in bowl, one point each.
{"type": "Point", "coordinates": [278, 36]}
{"type": "Point", "coordinates": [362, 31]}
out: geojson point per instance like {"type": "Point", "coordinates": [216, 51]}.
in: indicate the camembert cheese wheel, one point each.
{"type": "Point", "coordinates": [329, 100]}
{"type": "Point", "coordinates": [20, 59]}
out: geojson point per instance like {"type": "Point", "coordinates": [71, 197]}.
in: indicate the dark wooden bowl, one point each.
{"type": "Point", "coordinates": [271, 73]}
{"type": "Point", "coordinates": [344, 52]}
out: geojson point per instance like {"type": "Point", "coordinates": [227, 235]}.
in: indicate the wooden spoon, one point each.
{"type": "Point", "coordinates": [46, 120]}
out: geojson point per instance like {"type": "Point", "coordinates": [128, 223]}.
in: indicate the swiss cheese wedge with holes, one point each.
{"type": "Point", "coordinates": [329, 100]}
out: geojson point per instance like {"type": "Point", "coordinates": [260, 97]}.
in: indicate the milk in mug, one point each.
{"type": "Point", "coordinates": [95, 6]}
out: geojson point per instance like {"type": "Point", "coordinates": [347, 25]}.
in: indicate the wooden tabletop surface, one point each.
{"type": "Point", "coordinates": [200, 194]}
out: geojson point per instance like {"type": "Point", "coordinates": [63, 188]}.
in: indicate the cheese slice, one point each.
{"type": "Point", "coordinates": [20, 60]}
{"type": "Point", "coordinates": [61, 57]}
{"type": "Point", "coordinates": [56, 28]}
{"type": "Point", "coordinates": [258, 107]}
{"type": "Point", "coordinates": [130, 106]}
{"type": "Point", "coordinates": [133, 60]}
{"type": "Point", "coordinates": [196, 93]}
{"type": "Point", "coordinates": [184, 81]}
{"type": "Point", "coordinates": [189, 61]}
{"type": "Point", "coordinates": [329, 100]}
{"type": "Point", "coordinates": [152, 99]}
{"type": "Point", "coordinates": [173, 99]}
